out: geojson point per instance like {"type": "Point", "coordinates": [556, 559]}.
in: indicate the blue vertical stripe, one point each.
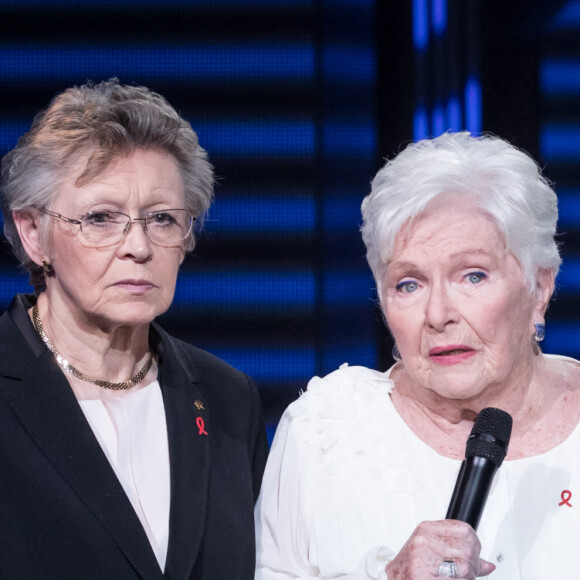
{"type": "Point", "coordinates": [420, 124]}
{"type": "Point", "coordinates": [473, 106]}
{"type": "Point", "coordinates": [438, 122]}
{"type": "Point", "coordinates": [439, 16]}
{"type": "Point", "coordinates": [454, 114]}
{"type": "Point", "coordinates": [420, 24]}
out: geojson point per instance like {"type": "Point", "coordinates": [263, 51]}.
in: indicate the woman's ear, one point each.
{"type": "Point", "coordinates": [28, 226]}
{"type": "Point", "coordinates": [544, 290]}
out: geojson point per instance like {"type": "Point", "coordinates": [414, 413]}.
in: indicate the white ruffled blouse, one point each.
{"type": "Point", "coordinates": [347, 482]}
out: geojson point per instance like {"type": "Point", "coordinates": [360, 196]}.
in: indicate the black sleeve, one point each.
{"type": "Point", "coordinates": [257, 440]}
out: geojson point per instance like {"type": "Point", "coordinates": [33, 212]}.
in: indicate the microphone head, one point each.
{"type": "Point", "coordinates": [490, 435]}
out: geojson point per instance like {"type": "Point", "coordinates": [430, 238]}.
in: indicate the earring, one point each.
{"type": "Point", "coordinates": [47, 267]}
{"type": "Point", "coordinates": [395, 353]}
{"type": "Point", "coordinates": [540, 333]}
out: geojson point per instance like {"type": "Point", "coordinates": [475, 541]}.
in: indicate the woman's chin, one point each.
{"type": "Point", "coordinates": [460, 390]}
{"type": "Point", "coordinates": [130, 315]}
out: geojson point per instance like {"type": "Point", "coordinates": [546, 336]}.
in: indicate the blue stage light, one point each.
{"type": "Point", "coordinates": [269, 137]}
{"type": "Point", "coordinates": [420, 124]}
{"type": "Point", "coordinates": [270, 365]}
{"type": "Point", "coordinates": [238, 215]}
{"type": "Point", "coordinates": [562, 338]}
{"type": "Point", "coordinates": [560, 77]}
{"type": "Point", "coordinates": [560, 142]}
{"type": "Point", "coordinates": [473, 101]}
{"type": "Point", "coordinates": [420, 24]}
{"type": "Point", "coordinates": [349, 138]}
{"type": "Point", "coordinates": [568, 208]}
{"type": "Point", "coordinates": [439, 16]}
{"type": "Point", "coordinates": [569, 276]}
{"type": "Point", "coordinates": [568, 17]}
{"type": "Point", "coordinates": [225, 63]}
{"type": "Point", "coordinates": [261, 290]}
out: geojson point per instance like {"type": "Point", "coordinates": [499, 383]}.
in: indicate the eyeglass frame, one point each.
{"type": "Point", "coordinates": [143, 221]}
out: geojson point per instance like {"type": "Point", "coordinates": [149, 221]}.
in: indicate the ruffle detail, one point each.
{"type": "Point", "coordinates": [344, 411]}
{"type": "Point", "coordinates": [350, 460]}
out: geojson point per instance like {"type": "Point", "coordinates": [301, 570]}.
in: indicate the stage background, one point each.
{"type": "Point", "coordinates": [298, 102]}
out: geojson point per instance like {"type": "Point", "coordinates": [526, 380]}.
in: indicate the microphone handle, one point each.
{"type": "Point", "coordinates": [471, 490]}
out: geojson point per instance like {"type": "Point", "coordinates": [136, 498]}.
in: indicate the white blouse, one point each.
{"type": "Point", "coordinates": [347, 482]}
{"type": "Point", "coordinates": [131, 428]}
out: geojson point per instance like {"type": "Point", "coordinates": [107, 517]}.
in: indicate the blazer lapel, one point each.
{"type": "Point", "coordinates": [47, 408]}
{"type": "Point", "coordinates": [189, 432]}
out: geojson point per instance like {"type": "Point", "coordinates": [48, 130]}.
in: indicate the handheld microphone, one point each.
{"type": "Point", "coordinates": [486, 448]}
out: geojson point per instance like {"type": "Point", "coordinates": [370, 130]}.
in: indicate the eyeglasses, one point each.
{"type": "Point", "coordinates": [166, 227]}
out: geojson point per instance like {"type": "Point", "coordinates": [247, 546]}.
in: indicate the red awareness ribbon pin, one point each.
{"type": "Point", "coordinates": [201, 426]}
{"type": "Point", "coordinates": [566, 497]}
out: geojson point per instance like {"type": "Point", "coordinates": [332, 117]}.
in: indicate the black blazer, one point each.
{"type": "Point", "coordinates": [63, 513]}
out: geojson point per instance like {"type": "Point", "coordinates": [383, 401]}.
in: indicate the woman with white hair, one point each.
{"type": "Point", "coordinates": [126, 453]}
{"type": "Point", "coordinates": [460, 238]}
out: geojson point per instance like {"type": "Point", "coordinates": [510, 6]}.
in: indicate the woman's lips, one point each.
{"type": "Point", "coordinates": [451, 354]}
{"type": "Point", "coordinates": [135, 286]}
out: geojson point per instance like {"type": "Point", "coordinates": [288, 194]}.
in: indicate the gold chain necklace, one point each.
{"type": "Point", "coordinates": [65, 365]}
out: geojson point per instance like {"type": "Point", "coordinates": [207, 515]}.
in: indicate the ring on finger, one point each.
{"type": "Point", "coordinates": [448, 569]}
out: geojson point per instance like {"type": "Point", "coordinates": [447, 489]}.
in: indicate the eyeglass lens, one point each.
{"type": "Point", "coordinates": [165, 227]}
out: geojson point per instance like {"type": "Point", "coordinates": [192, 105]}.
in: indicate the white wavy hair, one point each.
{"type": "Point", "coordinates": [503, 181]}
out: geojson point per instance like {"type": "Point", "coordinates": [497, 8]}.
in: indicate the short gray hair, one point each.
{"type": "Point", "coordinates": [504, 181]}
{"type": "Point", "coordinates": [105, 120]}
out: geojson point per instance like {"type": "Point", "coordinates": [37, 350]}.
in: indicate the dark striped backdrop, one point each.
{"type": "Point", "coordinates": [297, 103]}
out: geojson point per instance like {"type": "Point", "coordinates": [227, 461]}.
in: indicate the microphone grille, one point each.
{"type": "Point", "coordinates": [490, 435]}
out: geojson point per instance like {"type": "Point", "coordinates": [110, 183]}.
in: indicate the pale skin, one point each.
{"type": "Point", "coordinates": [98, 305]}
{"type": "Point", "coordinates": [462, 315]}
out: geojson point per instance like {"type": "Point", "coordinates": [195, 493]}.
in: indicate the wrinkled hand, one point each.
{"type": "Point", "coordinates": [433, 542]}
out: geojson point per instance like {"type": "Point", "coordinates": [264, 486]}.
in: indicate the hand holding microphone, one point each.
{"type": "Point", "coordinates": [486, 448]}
{"type": "Point", "coordinates": [485, 451]}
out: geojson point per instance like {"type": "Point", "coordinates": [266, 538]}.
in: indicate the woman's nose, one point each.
{"type": "Point", "coordinates": [135, 242]}
{"type": "Point", "coordinates": [440, 309]}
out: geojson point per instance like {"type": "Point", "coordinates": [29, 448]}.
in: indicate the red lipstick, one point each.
{"type": "Point", "coordinates": [451, 354]}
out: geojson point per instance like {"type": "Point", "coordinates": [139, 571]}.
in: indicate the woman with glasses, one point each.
{"type": "Point", "coordinates": [125, 452]}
